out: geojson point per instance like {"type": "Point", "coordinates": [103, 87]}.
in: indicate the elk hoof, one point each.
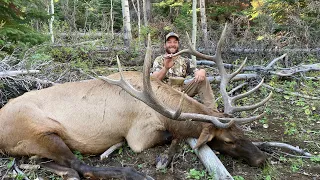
{"type": "Point", "coordinates": [162, 161]}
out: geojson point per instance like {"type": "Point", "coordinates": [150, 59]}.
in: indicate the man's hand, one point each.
{"type": "Point", "coordinates": [168, 61]}
{"type": "Point", "coordinates": [199, 75]}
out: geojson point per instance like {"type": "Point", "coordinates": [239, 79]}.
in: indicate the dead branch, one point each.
{"type": "Point", "coordinates": [16, 73]}
{"type": "Point", "coordinates": [297, 69]}
{"type": "Point", "coordinates": [282, 145]}
{"type": "Point", "coordinates": [271, 68]}
{"type": "Point", "coordinates": [111, 150]}
{"type": "Point", "coordinates": [210, 160]}
{"type": "Point", "coordinates": [29, 166]}
{"type": "Point", "coordinates": [41, 82]}
{"type": "Point", "coordinates": [252, 51]}
{"type": "Point", "coordinates": [291, 155]}
{"type": "Point", "coordinates": [289, 93]}
{"type": "Point", "coordinates": [238, 77]}
{"type": "Point", "coordinates": [6, 173]}
{"type": "Point", "coordinates": [270, 65]}
{"type": "Point", "coordinates": [19, 172]}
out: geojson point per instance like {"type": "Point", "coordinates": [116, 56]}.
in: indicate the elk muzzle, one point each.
{"type": "Point", "coordinates": [241, 149]}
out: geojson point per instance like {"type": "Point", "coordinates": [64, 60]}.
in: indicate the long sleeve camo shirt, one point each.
{"type": "Point", "coordinates": [181, 68]}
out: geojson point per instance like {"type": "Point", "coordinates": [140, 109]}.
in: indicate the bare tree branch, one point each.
{"type": "Point", "coordinates": [289, 93]}
{"type": "Point", "coordinates": [282, 145]}
{"type": "Point", "coordinates": [16, 73]}
{"type": "Point", "coordinates": [270, 65]}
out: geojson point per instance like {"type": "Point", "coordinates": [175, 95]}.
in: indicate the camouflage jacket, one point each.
{"type": "Point", "coordinates": [181, 68]}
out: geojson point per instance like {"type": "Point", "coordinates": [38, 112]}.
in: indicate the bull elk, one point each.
{"type": "Point", "coordinates": [93, 115]}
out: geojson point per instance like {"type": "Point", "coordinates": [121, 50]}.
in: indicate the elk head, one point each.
{"type": "Point", "coordinates": [231, 141]}
{"type": "Point", "coordinates": [222, 133]}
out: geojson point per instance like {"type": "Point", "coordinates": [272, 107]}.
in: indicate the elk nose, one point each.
{"type": "Point", "coordinates": [258, 161]}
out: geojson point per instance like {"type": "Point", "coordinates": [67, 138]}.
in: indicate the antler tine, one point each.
{"type": "Point", "coordinates": [243, 120]}
{"type": "Point", "coordinates": [147, 96]}
{"type": "Point", "coordinates": [122, 83]}
{"type": "Point", "coordinates": [194, 52]}
{"type": "Point", "coordinates": [249, 107]}
{"type": "Point", "coordinates": [220, 44]}
{"type": "Point", "coordinates": [234, 98]}
{"type": "Point", "coordinates": [239, 69]}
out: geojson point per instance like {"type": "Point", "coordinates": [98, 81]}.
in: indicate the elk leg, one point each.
{"type": "Point", "coordinates": [64, 172]}
{"type": "Point", "coordinates": [141, 138]}
{"type": "Point", "coordinates": [163, 160]}
{"type": "Point", "coordinates": [51, 146]}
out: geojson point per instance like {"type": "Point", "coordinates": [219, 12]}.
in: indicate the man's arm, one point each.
{"type": "Point", "coordinates": [160, 74]}
{"type": "Point", "coordinates": [167, 64]}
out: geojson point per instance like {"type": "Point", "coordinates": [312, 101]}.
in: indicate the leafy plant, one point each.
{"type": "Point", "coordinates": [296, 164]}
{"type": "Point", "coordinates": [140, 166]}
{"type": "Point", "coordinates": [195, 174]}
{"type": "Point", "coordinates": [315, 159]}
{"type": "Point", "coordinates": [164, 170]}
{"type": "Point", "coordinates": [187, 149]}
{"type": "Point", "coordinates": [78, 155]}
{"type": "Point", "coordinates": [120, 151]}
{"type": "Point", "coordinates": [238, 178]}
{"type": "Point", "coordinates": [11, 163]}
{"type": "Point", "coordinates": [291, 128]}
{"type": "Point", "coordinates": [268, 177]}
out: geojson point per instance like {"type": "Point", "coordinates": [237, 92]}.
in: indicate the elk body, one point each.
{"type": "Point", "coordinates": [93, 115]}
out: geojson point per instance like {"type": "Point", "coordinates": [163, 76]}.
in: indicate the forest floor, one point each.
{"type": "Point", "coordinates": [292, 120]}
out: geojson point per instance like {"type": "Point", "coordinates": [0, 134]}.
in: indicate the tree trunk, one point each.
{"type": "Point", "coordinates": [145, 17]}
{"type": "Point", "coordinates": [111, 19]}
{"type": "Point", "coordinates": [74, 13]}
{"type": "Point", "coordinates": [194, 28]}
{"type": "Point", "coordinates": [148, 10]}
{"type": "Point", "coordinates": [126, 23]}
{"type": "Point", "coordinates": [204, 25]}
{"type": "Point", "coordinates": [69, 14]}
{"type": "Point", "coordinates": [137, 9]}
{"type": "Point", "coordinates": [51, 13]}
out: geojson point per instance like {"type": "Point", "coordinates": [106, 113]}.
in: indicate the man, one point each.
{"type": "Point", "coordinates": [168, 68]}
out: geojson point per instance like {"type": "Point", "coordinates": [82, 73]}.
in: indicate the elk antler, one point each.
{"type": "Point", "coordinates": [229, 107]}
{"type": "Point", "coordinates": [147, 96]}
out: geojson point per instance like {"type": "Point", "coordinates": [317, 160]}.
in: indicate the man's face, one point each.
{"type": "Point", "coordinates": [172, 45]}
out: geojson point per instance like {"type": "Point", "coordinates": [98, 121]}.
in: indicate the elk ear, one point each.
{"type": "Point", "coordinates": [207, 134]}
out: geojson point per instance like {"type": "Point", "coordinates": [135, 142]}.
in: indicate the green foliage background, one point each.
{"type": "Point", "coordinates": [15, 19]}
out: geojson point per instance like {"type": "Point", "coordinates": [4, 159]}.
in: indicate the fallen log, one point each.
{"type": "Point", "coordinates": [238, 77]}
{"type": "Point", "coordinates": [210, 161]}
{"type": "Point", "coordinates": [16, 73]}
{"type": "Point", "coordinates": [271, 68]}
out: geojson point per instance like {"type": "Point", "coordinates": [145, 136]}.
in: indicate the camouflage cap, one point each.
{"type": "Point", "coordinates": [172, 34]}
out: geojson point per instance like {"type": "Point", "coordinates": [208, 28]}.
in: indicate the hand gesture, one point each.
{"type": "Point", "coordinates": [168, 61]}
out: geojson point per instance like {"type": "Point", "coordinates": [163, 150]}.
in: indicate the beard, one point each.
{"type": "Point", "coordinates": [171, 50]}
